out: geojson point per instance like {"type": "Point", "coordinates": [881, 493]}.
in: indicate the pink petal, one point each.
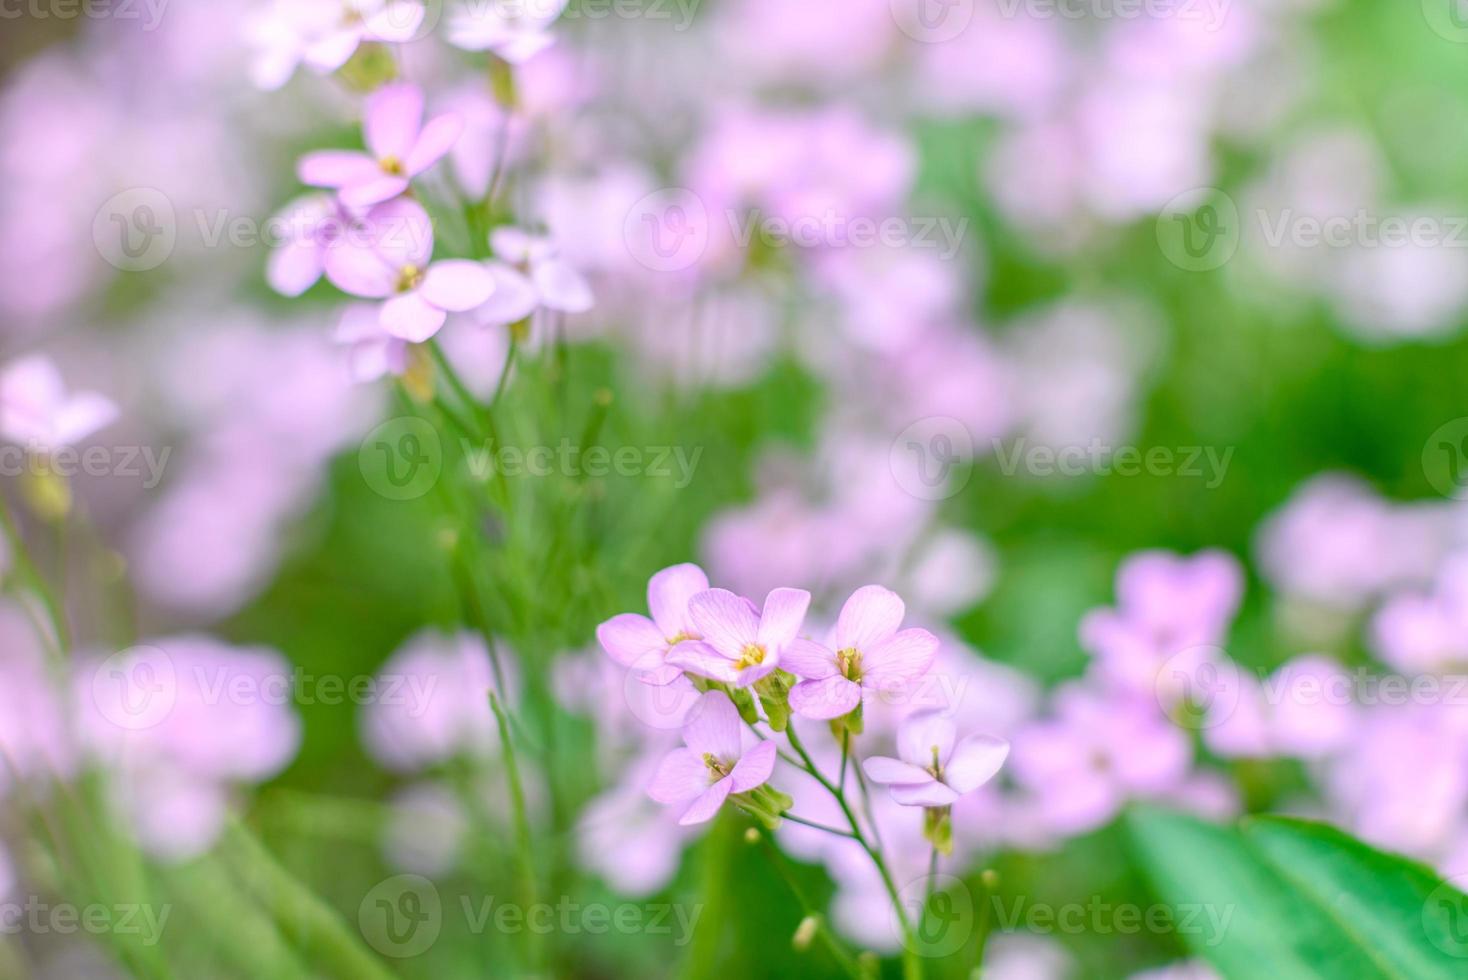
{"type": "Point", "coordinates": [725, 621]}
{"type": "Point", "coordinates": [974, 762]}
{"type": "Point", "coordinates": [390, 123]}
{"type": "Point", "coordinates": [437, 138]}
{"type": "Point", "coordinates": [629, 637]}
{"type": "Point", "coordinates": [808, 659]}
{"type": "Point", "coordinates": [782, 616]}
{"type": "Point", "coordinates": [754, 768]}
{"type": "Point", "coordinates": [396, 22]}
{"type": "Point", "coordinates": [511, 244]}
{"type": "Point", "coordinates": [514, 297]}
{"type": "Point", "coordinates": [871, 615]}
{"type": "Point", "coordinates": [295, 267]}
{"type": "Point", "coordinates": [713, 727]}
{"type": "Point", "coordinates": [702, 660]}
{"type": "Point", "coordinates": [923, 733]}
{"type": "Point", "coordinates": [402, 232]}
{"type": "Point", "coordinates": [757, 672]}
{"type": "Point", "coordinates": [824, 699]}
{"type": "Point", "coordinates": [336, 168]}
{"type": "Point", "coordinates": [708, 804]}
{"type": "Point", "coordinates": [83, 415]}
{"type": "Point", "coordinates": [562, 287]}
{"type": "Point", "coordinates": [457, 285]}
{"type": "Point", "coordinates": [334, 50]}
{"type": "Point", "coordinates": [521, 47]}
{"type": "Point", "coordinates": [412, 317]}
{"type": "Point", "coordinates": [903, 656]}
{"type": "Point", "coordinates": [668, 593]}
{"type": "Point", "coordinates": [880, 769]}
{"type": "Point", "coordinates": [382, 187]}
{"type": "Point", "coordinates": [931, 793]}
{"type": "Point", "coordinates": [361, 271]}
{"type": "Point", "coordinates": [681, 775]}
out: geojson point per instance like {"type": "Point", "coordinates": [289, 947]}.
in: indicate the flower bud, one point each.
{"type": "Point", "coordinates": [805, 932]}
{"type": "Point", "coordinates": [774, 694]}
{"type": "Point", "coordinates": [46, 492]}
{"type": "Point", "coordinates": [938, 828]}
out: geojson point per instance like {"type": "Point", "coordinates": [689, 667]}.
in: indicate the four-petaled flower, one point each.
{"type": "Point", "coordinates": [713, 763]}
{"type": "Point", "coordinates": [515, 30]}
{"type": "Point", "coordinates": [933, 770]}
{"type": "Point", "coordinates": [870, 655]}
{"type": "Point", "coordinates": [37, 411]}
{"type": "Point", "coordinates": [740, 643]}
{"type": "Point", "coordinates": [395, 267]}
{"type": "Point", "coordinates": [401, 146]}
{"type": "Point", "coordinates": [643, 644]}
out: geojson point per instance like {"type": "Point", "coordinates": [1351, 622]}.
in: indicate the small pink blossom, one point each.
{"type": "Point", "coordinates": [395, 268]}
{"type": "Point", "coordinates": [713, 763]}
{"type": "Point", "coordinates": [515, 30]}
{"type": "Point", "coordinates": [402, 147]}
{"type": "Point", "coordinates": [312, 225]}
{"type": "Point", "coordinates": [870, 655]}
{"type": "Point", "coordinates": [740, 644]}
{"type": "Point", "coordinates": [374, 352]}
{"type": "Point", "coordinates": [530, 273]}
{"type": "Point", "coordinates": [324, 34]}
{"type": "Point", "coordinates": [644, 644]}
{"type": "Point", "coordinates": [935, 769]}
{"type": "Point", "coordinates": [37, 411]}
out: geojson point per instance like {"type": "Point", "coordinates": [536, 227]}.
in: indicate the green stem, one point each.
{"type": "Point", "coordinates": [833, 945]}
{"type": "Point", "coordinates": [522, 822]}
{"type": "Point", "coordinates": [818, 826]}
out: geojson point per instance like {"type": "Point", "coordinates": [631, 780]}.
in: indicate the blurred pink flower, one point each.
{"type": "Point", "coordinates": [37, 412]}
{"type": "Point", "coordinates": [312, 225]}
{"type": "Point", "coordinates": [1304, 710]}
{"type": "Point", "coordinates": [36, 737]}
{"type": "Point", "coordinates": [713, 763]}
{"type": "Point", "coordinates": [552, 282]}
{"type": "Point", "coordinates": [395, 267]}
{"type": "Point", "coordinates": [867, 655]}
{"type": "Point", "coordinates": [324, 34]}
{"type": "Point", "coordinates": [402, 147]}
{"type": "Point", "coordinates": [515, 30]}
{"type": "Point", "coordinates": [740, 644]}
{"type": "Point", "coordinates": [935, 769]}
{"type": "Point", "coordinates": [374, 352]}
{"type": "Point", "coordinates": [643, 644]}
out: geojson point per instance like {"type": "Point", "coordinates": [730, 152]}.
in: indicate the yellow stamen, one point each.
{"type": "Point", "coordinates": [848, 661]}
{"type": "Point", "coordinates": [391, 165]}
{"type": "Point", "coordinates": [409, 277]}
{"type": "Point", "coordinates": [752, 654]}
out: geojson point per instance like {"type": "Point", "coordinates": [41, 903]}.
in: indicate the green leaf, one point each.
{"type": "Point", "coordinates": [1288, 899]}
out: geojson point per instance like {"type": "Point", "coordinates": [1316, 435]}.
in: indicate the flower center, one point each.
{"type": "Point", "coordinates": [848, 661]}
{"type": "Point", "coordinates": [936, 769]}
{"type": "Point", "coordinates": [391, 165]}
{"type": "Point", "coordinates": [680, 636]}
{"type": "Point", "coordinates": [752, 654]}
{"type": "Point", "coordinates": [409, 277]}
{"type": "Point", "coordinates": [718, 768]}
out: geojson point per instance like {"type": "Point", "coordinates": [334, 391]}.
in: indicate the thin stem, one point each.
{"type": "Point", "coordinates": [522, 822]}
{"type": "Point", "coordinates": [818, 826]}
{"type": "Point", "coordinates": [832, 944]}
{"type": "Point", "coordinates": [502, 383]}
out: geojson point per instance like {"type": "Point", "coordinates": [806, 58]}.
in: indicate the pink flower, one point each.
{"type": "Point", "coordinates": [644, 644]}
{"type": "Point", "coordinates": [547, 280]}
{"type": "Point", "coordinates": [713, 764]}
{"type": "Point", "coordinates": [313, 224]}
{"type": "Point", "coordinates": [934, 769]}
{"type": "Point", "coordinates": [1304, 710]}
{"type": "Point", "coordinates": [401, 146]}
{"type": "Point", "coordinates": [395, 267]}
{"type": "Point", "coordinates": [324, 35]}
{"type": "Point", "coordinates": [740, 643]}
{"type": "Point", "coordinates": [515, 30]}
{"type": "Point", "coordinates": [374, 352]}
{"type": "Point", "coordinates": [871, 656]}
{"type": "Point", "coordinates": [37, 412]}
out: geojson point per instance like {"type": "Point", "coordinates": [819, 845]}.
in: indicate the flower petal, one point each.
{"type": "Point", "coordinates": [808, 659]}
{"type": "Point", "coordinates": [336, 168]}
{"type": "Point", "coordinates": [881, 769]}
{"type": "Point", "coordinates": [824, 699]}
{"type": "Point", "coordinates": [412, 317]}
{"type": "Point", "coordinates": [702, 660]}
{"type": "Point", "coordinates": [923, 734]}
{"type": "Point", "coordinates": [396, 22]}
{"type": "Point", "coordinates": [457, 285]}
{"type": "Point", "coordinates": [782, 616]}
{"type": "Point", "coordinates": [382, 187]}
{"type": "Point", "coordinates": [708, 804]}
{"type": "Point", "coordinates": [713, 727]}
{"type": "Point", "coordinates": [360, 271]}
{"type": "Point", "coordinates": [931, 793]}
{"type": "Point", "coordinates": [437, 138]}
{"type": "Point", "coordinates": [974, 762]}
{"type": "Point", "coordinates": [402, 232]}
{"type": "Point", "coordinates": [561, 287]}
{"type": "Point", "coordinates": [390, 123]}
{"type": "Point", "coordinates": [754, 768]}
{"type": "Point", "coordinates": [903, 656]}
{"type": "Point", "coordinates": [871, 615]}
{"type": "Point", "coordinates": [725, 621]}
{"type": "Point", "coordinates": [668, 593]}
{"type": "Point", "coordinates": [294, 267]}
{"type": "Point", "coordinates": [514, 297]}
{"type": "Point", "coordinates": [681, 775]}
{"type": "Point", "coordinates": [629, 637]}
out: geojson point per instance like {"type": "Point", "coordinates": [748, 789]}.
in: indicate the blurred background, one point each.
{"type": "Point", "coordinates": [1103, 332]}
